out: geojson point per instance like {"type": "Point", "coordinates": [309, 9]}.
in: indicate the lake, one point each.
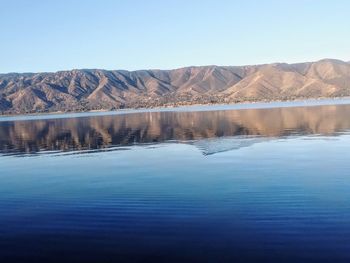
{"type": "Point", "coordinates": [263, 183]}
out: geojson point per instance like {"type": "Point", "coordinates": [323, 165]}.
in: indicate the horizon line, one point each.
{"type": "Point", "coordinates": [175, 68]}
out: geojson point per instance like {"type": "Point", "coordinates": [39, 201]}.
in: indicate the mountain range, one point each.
{"type": "Point", "coordinates": [95, 89]}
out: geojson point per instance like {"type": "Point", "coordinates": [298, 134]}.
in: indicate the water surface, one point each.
{"type": "Point", "coordinates": [233, 185]}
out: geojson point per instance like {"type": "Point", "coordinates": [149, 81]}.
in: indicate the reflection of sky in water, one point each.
{"type": "Point", "coordinates": [289, 196]}
{"type": "Point", "coordinates": [250, 185]}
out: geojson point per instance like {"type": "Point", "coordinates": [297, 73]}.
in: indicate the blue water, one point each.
{"type": "Point", "coordinates": [258, 185]}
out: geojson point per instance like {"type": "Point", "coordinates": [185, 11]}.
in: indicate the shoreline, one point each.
{"type": "Point", "coordinates": [264, 104]}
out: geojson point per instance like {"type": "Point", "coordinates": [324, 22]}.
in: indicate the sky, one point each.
{"type": "Point", "coordinates": [42, 36]}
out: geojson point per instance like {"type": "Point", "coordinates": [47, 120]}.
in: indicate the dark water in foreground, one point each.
{"type": "Point", "coordinates": [253, 185]}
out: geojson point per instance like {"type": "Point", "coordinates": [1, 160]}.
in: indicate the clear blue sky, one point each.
{"type": "Point", "coordinates": [65, 34]}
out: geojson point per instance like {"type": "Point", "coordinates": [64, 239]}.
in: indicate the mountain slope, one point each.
{"type": "Point", "coordinates": [80, 90]}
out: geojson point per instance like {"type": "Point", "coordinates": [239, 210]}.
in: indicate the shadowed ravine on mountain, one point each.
{"type": "Point", "coordinates": [94, 89]}
{"type": "Point", "coordinates": [225, 129]}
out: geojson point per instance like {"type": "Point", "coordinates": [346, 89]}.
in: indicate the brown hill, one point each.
{"type": "Point", "coordinates": [81, 90]}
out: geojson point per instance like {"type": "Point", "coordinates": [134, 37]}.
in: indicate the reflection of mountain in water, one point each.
{"type": "Point", "coordinates": [224, 144]}
{"type": "Point", "coordinates": [98, 132]}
